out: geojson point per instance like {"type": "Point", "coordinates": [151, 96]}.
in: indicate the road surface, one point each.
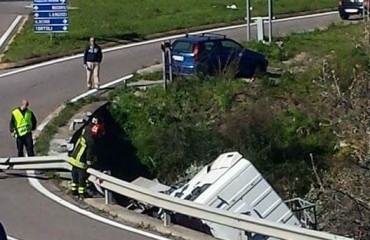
{"type": "Point", "coordinates": [25, 213]}
{"type": "Point", "coordinates": [9, 10]}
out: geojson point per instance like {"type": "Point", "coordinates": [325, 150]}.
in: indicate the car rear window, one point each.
{"type": "Point", "coordinates": [182, 46]}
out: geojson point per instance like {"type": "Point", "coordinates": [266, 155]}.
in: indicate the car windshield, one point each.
{"type": "Point", "coordinates": [182, 46]}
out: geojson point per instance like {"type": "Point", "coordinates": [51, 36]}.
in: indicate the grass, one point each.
{"type": "Point", "coordinates": [42, 144]}
{"type": "Point", "coordinates": [156, 75]}
{"type": "Point", "coordinates": [337, 44]}
{"type": "Point", "coordinates": [187, 114]}
{"type": "Point", "coordinates": [112, 20]}
{"type": "Point", "coordinates": [337, 41]}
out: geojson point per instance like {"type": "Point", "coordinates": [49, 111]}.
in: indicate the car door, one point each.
{"type": "Point", "coordinates": [230, 55]}
{"type": "Point", "coordinates": [207, 58]}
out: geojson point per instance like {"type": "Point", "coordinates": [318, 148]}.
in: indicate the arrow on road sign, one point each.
{"type": "Point", "coordinates": [36, 15]}
{"type": "Point", "coordinates": [65, 28]}
{"type": "Point", "coordinates": [35, 8]}
{"type": "Point", "coordinates": [65, 21]}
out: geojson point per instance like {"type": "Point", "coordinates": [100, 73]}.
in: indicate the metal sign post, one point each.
{"type": "Point", "coordinates": [248, 18]}
{"type": "Point", "coordinates": [164, 64]}
{"type": "Point", "coordinates": [169, 61]}
{"type": "Point", "coordinates": [270, 19]}
{"type": "Point", "coordinates": [166, 60]}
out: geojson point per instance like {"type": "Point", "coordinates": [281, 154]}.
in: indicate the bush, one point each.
{"type": "Point", "coordinates": [273, 51]}
{"type": "Point", "coordinates": [279, 142]}
{"type": "Point", "coordinates": [196, 120]}
{"type": "Point", "coordinates": [174, 129]}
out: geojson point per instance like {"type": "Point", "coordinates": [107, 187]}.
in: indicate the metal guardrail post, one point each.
{"type": "Point", "coordinates": [107, 193]}
{"type": "Point", "coordinates": [166, 218]}
{"type": "Point", "coordinates": [260, 29]}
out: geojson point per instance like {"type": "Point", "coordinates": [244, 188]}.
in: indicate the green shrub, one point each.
{"type": "Point", "coordinates": [174, 129]}
{"type": "Point", "coordinates": [272, 51]}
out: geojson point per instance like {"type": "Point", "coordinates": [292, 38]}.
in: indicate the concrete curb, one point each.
{"type": "Point", "coordinates": [48, 119]}
{"type": "Point", "coordinates": [144, 221]}
{"type": "Point", "coordinates": [31, 61]}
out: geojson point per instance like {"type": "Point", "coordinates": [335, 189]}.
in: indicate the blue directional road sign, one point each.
{"type": "Point", "coordinates": [40, 29]}
{"type": "Point", "coordinates": [50, 16]}
{"type": "Point", "coordinates": [51, 21]}
{"type": "Point", "coordinates": [49, 1]}
{"type": "Point", "coordinates": [49, 7]}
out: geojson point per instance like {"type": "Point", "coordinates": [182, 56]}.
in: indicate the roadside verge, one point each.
{"type": "Point", "coordinates": [204, 28]}
{"type": "Point", "coordinates": [95, 207]}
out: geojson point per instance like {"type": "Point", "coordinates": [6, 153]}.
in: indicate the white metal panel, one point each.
{"type": "Point", "coordinates": [237, 186]}
{"type": "Point", "coordinates": [223, 183]}
{"type": "Point", "coordinates": [226, 160]}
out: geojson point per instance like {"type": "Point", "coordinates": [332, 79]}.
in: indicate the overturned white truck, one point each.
{"type": "Point", "coordinates": [232, 183]}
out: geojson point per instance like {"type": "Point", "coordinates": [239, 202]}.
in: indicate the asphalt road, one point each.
{"type": "Point", "coordinates": [25, 213]}
{"type": "Point", "coordinates": [9, 11]}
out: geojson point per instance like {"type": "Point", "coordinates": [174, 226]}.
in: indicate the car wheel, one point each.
{"type": "Point", "coordinates": [259, 70]}
{"type": "Point", "coordinates": [344, 16]}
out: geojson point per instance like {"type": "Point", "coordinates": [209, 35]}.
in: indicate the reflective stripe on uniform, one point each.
{"type": "Point", "coordinates": [23, 123]}
{"type": "Point", "coordinates": [81, 190]}
{"type": "Point", "coordinates": [80, 149]}
{"type": "Point", "coordinates": [73, 187]}
{"type": "Point", "coordinates": [76, 163]}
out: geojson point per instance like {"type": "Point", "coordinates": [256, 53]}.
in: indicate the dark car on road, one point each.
{"type": "Point", "coordinates": [348, 8]}
{"type": "Point", "coordinates": [211, 53]}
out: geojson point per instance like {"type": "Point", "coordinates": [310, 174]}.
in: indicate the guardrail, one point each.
{"type": "Point", "coordinates": [169, 203]}
{"type": "Point", "coordinates": [35, 163]}
{"type": "Point", "coordinates": [203, 212]}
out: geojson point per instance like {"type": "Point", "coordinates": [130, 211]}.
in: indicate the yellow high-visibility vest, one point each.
{"type": "Point", "coordinates": [23, 123]}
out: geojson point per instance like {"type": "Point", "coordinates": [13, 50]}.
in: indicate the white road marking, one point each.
{"type": "Point", "coordinates": [39, 65]}
{"type": "Point", "coordinates": [12, 238]}
{"type": "Point", "coordinates": [114, 82]}
{"type": "Point", "coordinates": [37, 185]}
{"type": "Point", "coordinates": [9, 31]}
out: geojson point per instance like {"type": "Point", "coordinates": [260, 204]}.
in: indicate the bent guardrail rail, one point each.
{"type": "Point", "coordinates": [203, 212]}
{"type": "Point", "coordinates": [189, 208]}
{"type": "Point", "coordinates": [35, 163]}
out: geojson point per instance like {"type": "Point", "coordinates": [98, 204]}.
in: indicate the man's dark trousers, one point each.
{"type": "Point", "coordinates": [25, 141]}
{"type": "Point", "coordinates": [79, 179]}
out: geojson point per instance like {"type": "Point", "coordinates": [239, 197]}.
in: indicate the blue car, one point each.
{"type": "Point", "coordinates": [211, 54]}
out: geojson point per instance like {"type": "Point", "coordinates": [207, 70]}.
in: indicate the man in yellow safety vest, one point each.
{"type": "Point", "coordinates": [22, 123]}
